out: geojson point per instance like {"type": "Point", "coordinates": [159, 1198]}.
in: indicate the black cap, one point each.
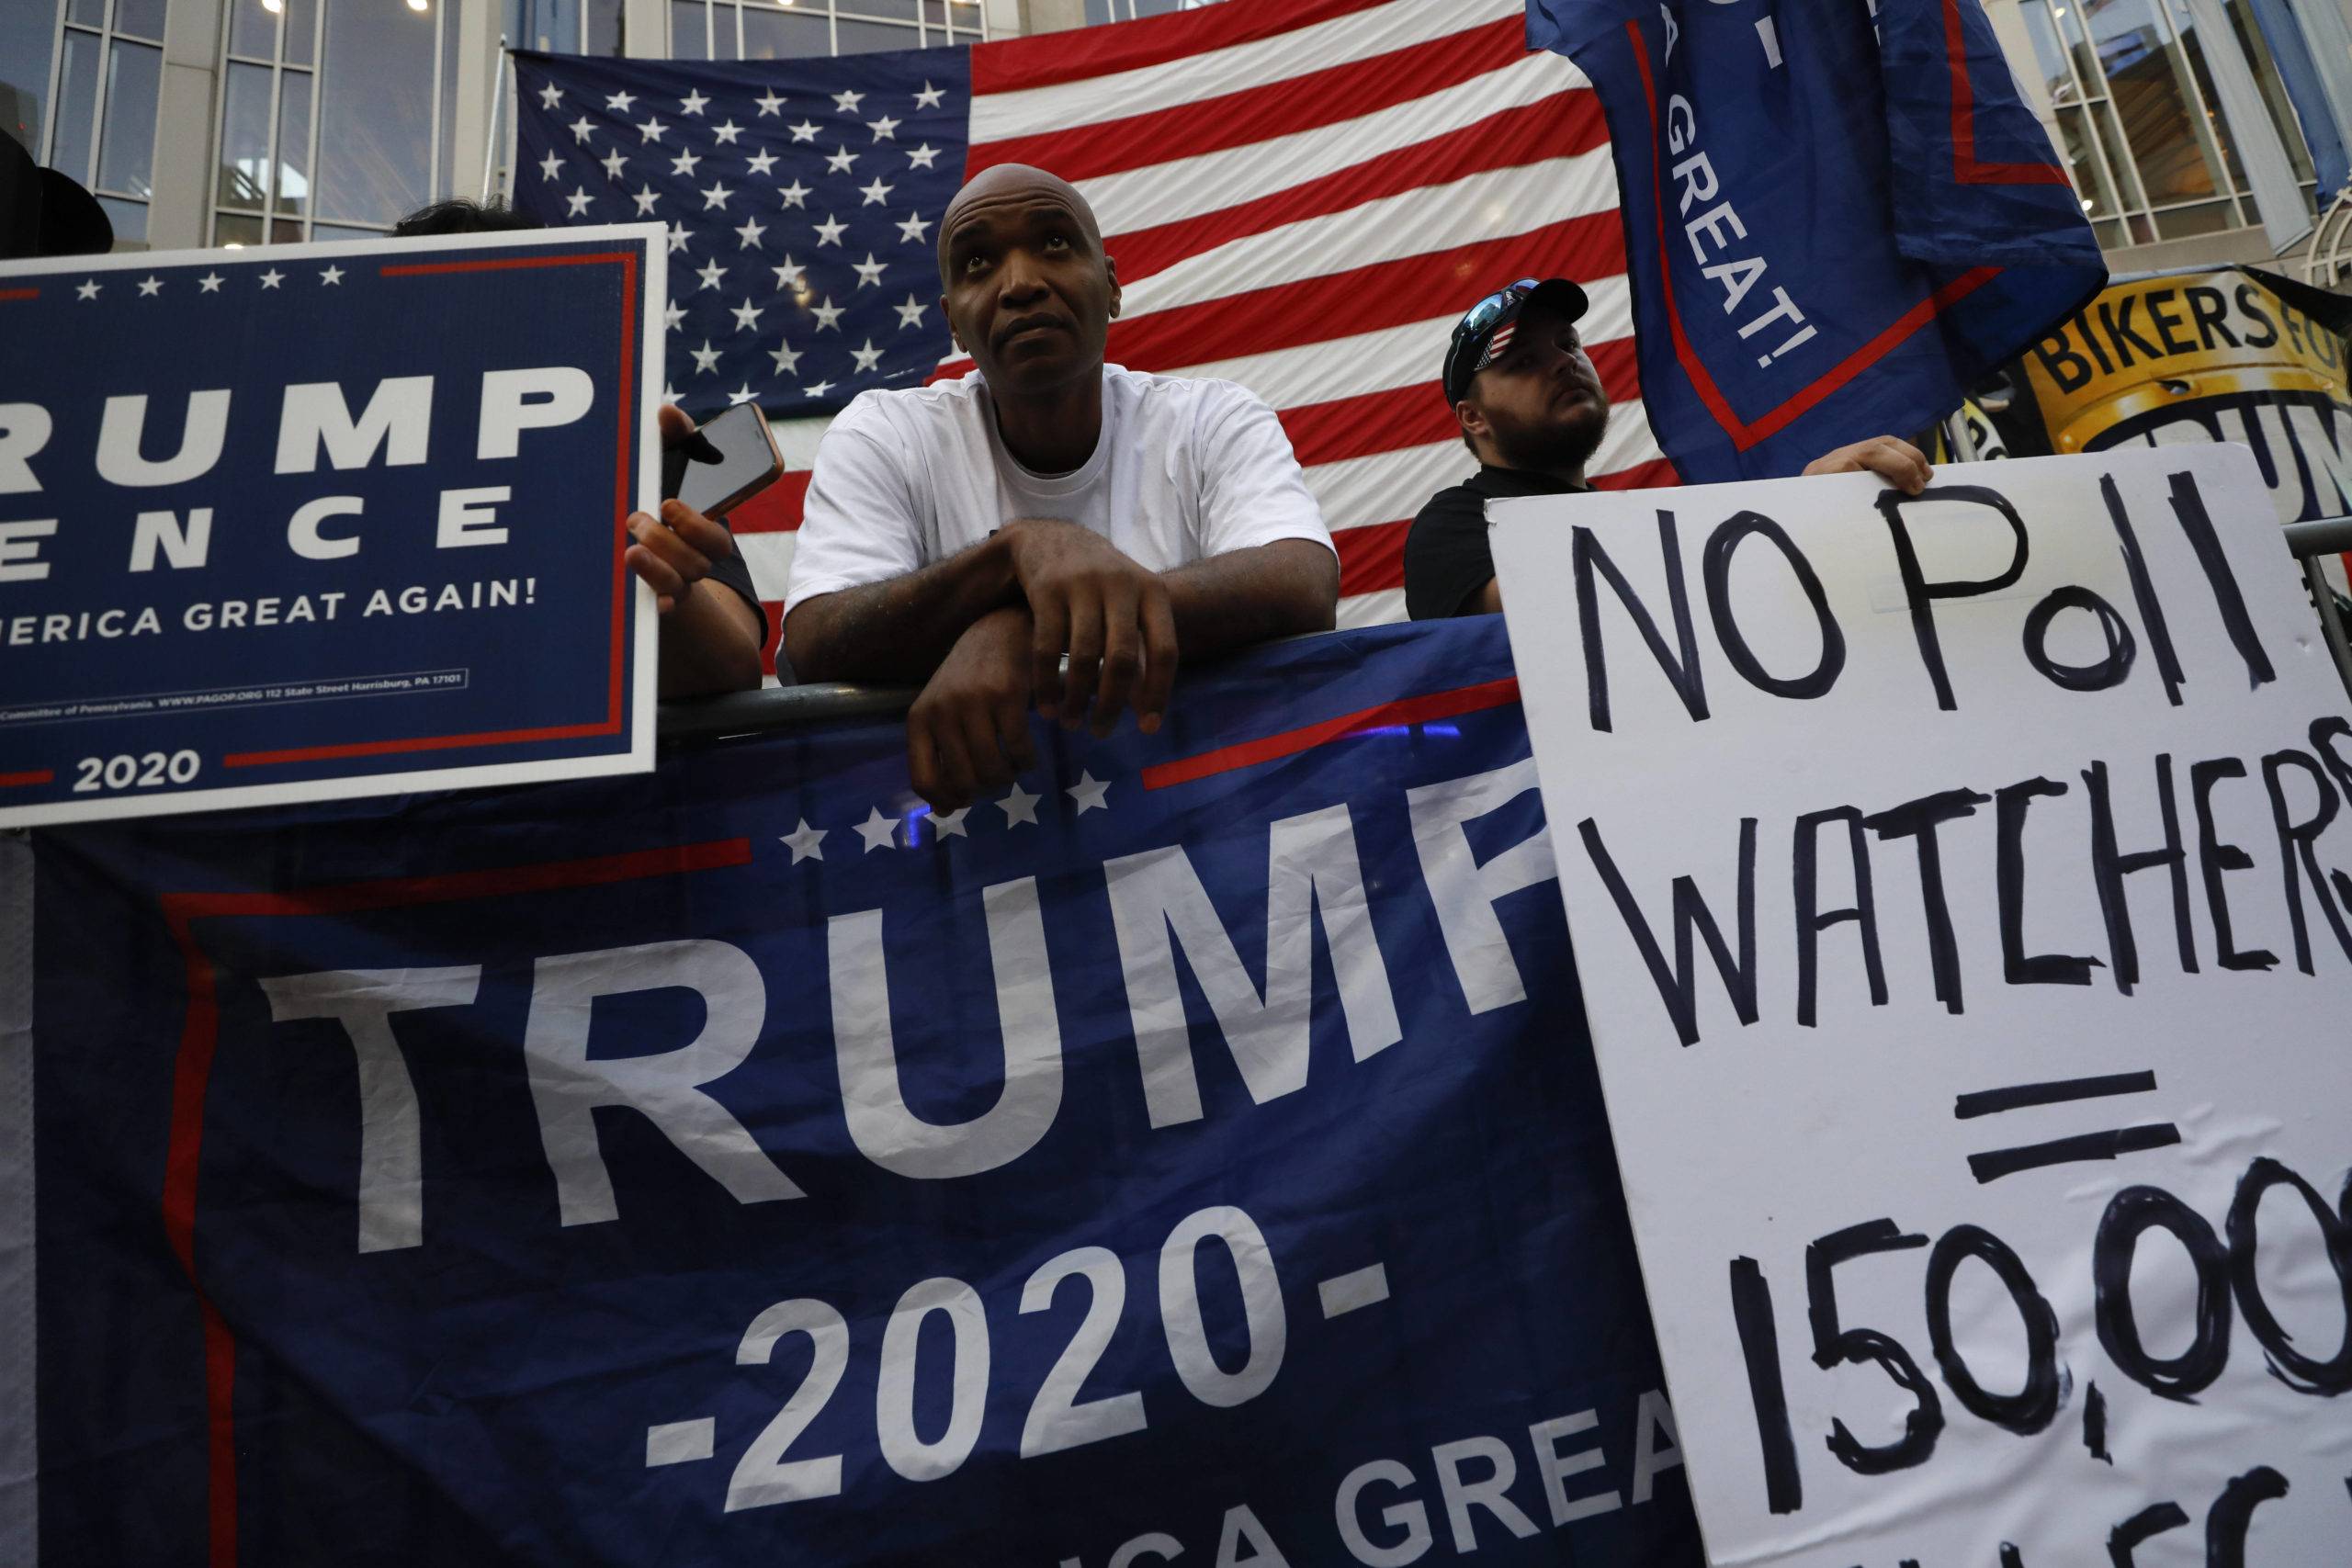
{"type": "Point", "coordinates": [44, 213]}
{"type": "Point", "coordinates": [1471, 350]}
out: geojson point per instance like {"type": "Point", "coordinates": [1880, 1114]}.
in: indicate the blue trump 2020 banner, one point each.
{"type": "Point", "coordinates": [1197, 1149]}
{"type": "Point", "coordinates": [326, 520]}
{"type": "Point", "coordinates": [1837, 214]}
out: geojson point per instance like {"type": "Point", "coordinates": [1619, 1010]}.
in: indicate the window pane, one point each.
{"type": "Point", "coordinates": [27, 39]}
{"type": "Point", "coordinates": [302, 30]}
{"type": "Point", "coordinates": [91, 12]}
{"type": "Point", "coordinates": [2096, 193]}
{"type": "Point", "coordinates": [293, 166]}
{"type": "Point", "coordinates": [235, 229]}
{"type": "Point", "coordinates": [140, 18]}
{"type": "Point", "coordinates": [376, 114]}
{"type": "Point", "coordinates": [253, 30]}
{"type": "Point", "coordinates": [604, 27]}
{"type": "Point", "coordinates": [783, 35]}
{"type": "Point", "coordinates": [343, 231]}
{"type": "Point", "coordinates": [448, 177]}
{"type": "Point", "coordinates": [1101, 11]}
{"type": "Point", "coordinates": [2207, 218]}
{"type": "Point", "coordinates": [285, 231]}
{"type": "Point", "coordinates": [2149, 81]}
{"type": "Point", "coordinates": [688, 36]}
{"type": "Point", "coordinates": [77, 97]}
{"type": "Point", "coordinates": [2274, 90]}
{"type": "Point", "coordinates": [244, 138]}
{"type": "Point", "coordinates": [130, 221]}
{"type": "Point", "coordinates": [2217, 137]}
{"type": "Point", "coordinates": [2046, 51]}
{"type": "Point", "coordinates": [894, 10]}
{"type": "Point", "coordinates": [127, 154]}
{"type": "Point", "coordinates": [864, 38]}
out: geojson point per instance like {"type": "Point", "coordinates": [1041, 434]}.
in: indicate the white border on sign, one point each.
{"type": "Point", "coordinates": [652, 240]}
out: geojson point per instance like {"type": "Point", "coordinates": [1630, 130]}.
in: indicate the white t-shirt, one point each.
{"type": "Point", "coordinates": [1184, 470]}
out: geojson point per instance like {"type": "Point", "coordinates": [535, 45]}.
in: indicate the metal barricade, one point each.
{"type": "Point", "coordinates": [2310, 541]}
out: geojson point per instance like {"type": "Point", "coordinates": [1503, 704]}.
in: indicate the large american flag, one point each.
{"type": "Point", "coordinates": [1302, 196]}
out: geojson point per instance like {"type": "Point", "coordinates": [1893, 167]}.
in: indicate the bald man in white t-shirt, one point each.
{"type": "Point", "coordinates": [968, 535]}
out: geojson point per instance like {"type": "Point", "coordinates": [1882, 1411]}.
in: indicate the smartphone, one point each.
{"type": "Point", "coordinates": [724, 462]}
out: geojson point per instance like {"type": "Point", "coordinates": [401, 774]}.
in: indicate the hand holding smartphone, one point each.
{"type": "Point", "coordinates": [724, 462]}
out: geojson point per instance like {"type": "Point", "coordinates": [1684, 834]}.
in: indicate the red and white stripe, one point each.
{"type": "Point", "coordinates": [1303, 196]}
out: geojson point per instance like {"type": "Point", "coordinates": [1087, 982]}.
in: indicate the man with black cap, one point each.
{"type": "Point", "coordinates": [1531, 407]}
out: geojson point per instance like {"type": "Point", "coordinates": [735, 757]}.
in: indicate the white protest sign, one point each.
{"type": "Point", "coordinates": [1955, 886]}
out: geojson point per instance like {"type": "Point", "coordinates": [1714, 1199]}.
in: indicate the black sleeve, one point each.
{"type": "Point", "coordinates": [736, 575]}
{"type": "Point", "coordinates": [1446, 559]}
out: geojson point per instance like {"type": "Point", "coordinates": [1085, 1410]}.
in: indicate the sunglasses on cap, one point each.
{"type": "Point", "coordinates": [1484, 333]}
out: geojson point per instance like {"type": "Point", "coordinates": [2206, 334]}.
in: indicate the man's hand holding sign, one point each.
{"type": "Point", "coordinates": [1971, 1042]}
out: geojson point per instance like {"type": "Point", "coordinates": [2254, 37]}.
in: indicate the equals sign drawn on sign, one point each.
{"type": "Point", "coordinates": [1994, 1164]}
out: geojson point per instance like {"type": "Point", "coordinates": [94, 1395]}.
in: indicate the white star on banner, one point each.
{"type": "Point", "coordinates": [750, 233]}
{"type": "Point", "coordinates": [577, 201]}
{"type": "Point", "coordinates": [847, 101]}
{"type": "Point", "coordinates": [652, 130]}
{"type": "Point", "coordinates": [669, 393]}
{"type": "Point", "coordinates": [795, 195]}
{"type": "Point", "coordinates": [760, 163]}
{"type": "Point", "coordinates": [913, 229]}
{"type": "Point", "coordinates": [550, 95]}
{"type": "Point", "coordinates": [875, 194]}
{"type": "Point", "coordinates": [828, 315]}
{"type": "Point", "coordinates": [150, 286]}
{"type": "Point", "coordinates": [619, 102]}
{"type": "Point", "coordinates": [789, 276]}
{"type": "Point", "coordinates": [869, 272]}
{"type": "Point", "coordinates": [1018, 806]}
{"type": "Point", "coordinates": [909, 313]}
{"type": "Point", "coordinates": [922, 157]}
{"type": "Point", "coordinates": [333, 275]}
{"type": "Point", "coordinates": [747, 316]}
{"type": "Point", "coordinates": [684, 164]}
{"type": "Point", "coordinates": [805, 131]}
{"type": "Point", "coordinates": [716, 196]}
{"type": "Point", "coordinates": [272, 278]}
{"type": "Point", "coordinates": [879, 832]}
{"type": "Point", "coordinates": [944, 823]}
{"type": "Point", "coordinates": [614, 164]}
{"type": "Point", "coordinates": [710, 274]}
{"type": "Point", "coordinates": [88, 289]}
{"type": "Point", "coordinates": [867, 357]}
{"type": "Point", "coordinates": [771, 103]}
{"type": "Point", "coordinates": [1089, 792]}
{"type": "Point", "coordinates": [672, 314]}
{"type": "Point", "coordinates": [840, 162]}
{"type": "Point", "coordinates": [742, 394]}
{"type": "Point", "coordinates": [580, 128]}
{"type": "Point", "coordinates": [209, 283]}
{"type": "Point", "coordinates": [884, 129]}
{"type": "Point", "coordinates": [787, 360]}
{"type": "Point", "coordinates": [645, 200]}
{"type": "Point", "coordinates": [929, 95]}
{"type": "Point", "coordinates": [549, 166]}
{"type": "Point", "coordinates": [726, 132]}
{"type": "Point", "coordinates": [831, 231]}
{"type": "Point", "coordinates": [805, 843]}
{"type": "Point", "coordinates": [705, 358]}
{"type": "Point", "coordinates": [693, 102]}
{"type": "Point", "coordinates": [818, 391]}
{"type": "Point", "coordinates": [677, 238]}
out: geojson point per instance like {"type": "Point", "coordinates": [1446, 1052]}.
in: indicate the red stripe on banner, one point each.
{"type": "Point", "coordinates": [501, 264]}
{"type": "Point", "coordinates": [1557, 127]}
{"type": "Point", "coordinates": [417, 743]}
{"type": "Point", "coordinates": [1965, 169]}
{"type": "Point", "coordinates": [1363, 299]}
{"type": "Point", "coordinates": [1306, 102]}
{"type": "Point", "coordinates": [774, 607]}
{"type": "Point", "coordinates": [192, 1072]}
{"type": "Point", "coordinates": [1291, 742]}
{"type": "Point", "coordinates": [775, 510]}
{"type": "Point", "coordinates": [1371, 556]}
{"type": "Point", "coordinates": [1415, 415]}
{"type": "Point", "coordinates": [1049, 60]}
{"type": "Point", "coordinates": [19, 293]}
{"type": "Point", "coordinates": [1744, 435]}
{"type": "Point", "coordinates": [30, 777]}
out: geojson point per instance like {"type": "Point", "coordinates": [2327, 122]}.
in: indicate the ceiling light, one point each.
{"type": "Point", "coordinates": [273, 7]}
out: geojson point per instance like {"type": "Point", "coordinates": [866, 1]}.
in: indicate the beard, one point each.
{"type": "Point", "coordinates": [1551, 446]}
